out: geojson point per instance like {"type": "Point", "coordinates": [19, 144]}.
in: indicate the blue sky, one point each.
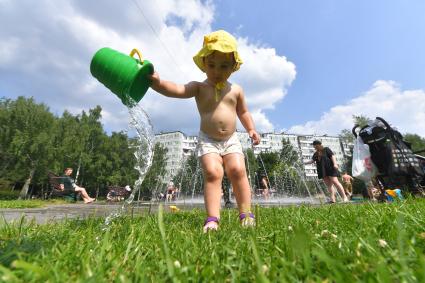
{"type": "Point", "coordinates": [340, 48]}
{"type": "Point", "coordinates": [308, 65]}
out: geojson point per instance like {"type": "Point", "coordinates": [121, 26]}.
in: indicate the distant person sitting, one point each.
{"type": "Point", "coordinates": [68, 184]}
{"type": "Point", "coordinates": [347, 184]}
{"type": "Point", "coordinates": [373, 189]}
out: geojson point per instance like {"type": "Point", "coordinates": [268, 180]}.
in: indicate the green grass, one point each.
{"type": "Point", "coordinates": [334, 243]}
{"type": "Point", "coordinates": [28, 203]}
{"type": "Point", "coordinates": [8, 195]}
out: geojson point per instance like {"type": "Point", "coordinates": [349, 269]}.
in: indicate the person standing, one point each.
{"type": "Point", "coordinates": [170, 191]}
{"type": "Point", "coordinates": [265, 188]}
{"type": "Point", "coordinates": [327, 169]}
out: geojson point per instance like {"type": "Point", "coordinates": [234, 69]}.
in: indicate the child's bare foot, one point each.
{"type": "Point", "coordinates": [211, 224]}
{"type": "Point", "coordinates": [90, 200]}
{"type": "Point", "coordinates": [247, 219]}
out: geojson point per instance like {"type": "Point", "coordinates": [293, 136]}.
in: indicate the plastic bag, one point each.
{"type": "Point", "coordinates": [363, 167]}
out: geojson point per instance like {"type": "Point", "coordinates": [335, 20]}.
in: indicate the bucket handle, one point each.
{"type": "Point", "coordinates": [135, 51]}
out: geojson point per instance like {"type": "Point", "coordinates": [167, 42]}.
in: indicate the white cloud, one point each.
{"type": "Point", "coordinates": [262, 122]}
{"type": "Point", "coordinates": [403, 109]}
{"type": "Point", "coordinates": [264, 75]}
{"type": "Point", "coordinates": [46, 51]}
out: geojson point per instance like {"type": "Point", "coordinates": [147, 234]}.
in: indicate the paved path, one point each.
{"type": "Point", "coordinates": [80, 210]}
{"type": "Point", "coordinates": [64, 211]}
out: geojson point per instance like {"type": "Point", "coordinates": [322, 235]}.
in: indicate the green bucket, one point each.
{"type": "Point", "coordinates": [122, 74]}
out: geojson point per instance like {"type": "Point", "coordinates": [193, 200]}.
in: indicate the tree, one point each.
{"type": "Point", "coordinates": [111, 163]}
{"type": "Point", "coordinates": [288, 153]}
{"type": "Point", "coordinates": [156, 171]}
{"type": "Point", "coordinates": [287, 173]}
{"type": "Point", "coordinates": [79, 138]}
{"type": "Point", "coordinates": [91, 133]}
{"type": "Point", "coordinates": [188, 175]}
{"type": "Point", "coordinates": [416, 141]}
{"type": "Point", "coordinates": [251, 166]}
{"type": "Point", "coordinates": [6, 157]}
{"type": "Point", "coordinates": [268, 165]}
{"type": "Point", "coordinates": [26, 139]}
{"type": "Point", "coordinates": [34, 141]}
{"type": "Point", "coordinates": [360, 120]}
{"type": "Point", "coordinates": [346, 136]}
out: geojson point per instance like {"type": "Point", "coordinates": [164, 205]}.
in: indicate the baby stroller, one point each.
{"type": "Point", "coordinates": [398, 166]}
{"type": "Point", "coordinates": [118, 193]}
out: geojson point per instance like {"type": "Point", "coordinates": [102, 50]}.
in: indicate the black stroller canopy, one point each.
{"type": "Point", "coordinates": [390, 153]}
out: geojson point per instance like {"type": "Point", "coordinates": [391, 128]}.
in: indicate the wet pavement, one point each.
{"type": "Point", "coordinates": [59, 212]}
{"type": "Point", "coordinates": [67, 211]}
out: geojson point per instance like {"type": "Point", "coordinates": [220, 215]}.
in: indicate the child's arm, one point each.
{"type": "Point", "coordinates": [246, 118]}
{"type": "Point", "coordinates": [171, 89]}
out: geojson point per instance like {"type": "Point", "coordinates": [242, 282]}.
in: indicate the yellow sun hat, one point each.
{"type": "Point", "coordinates": [218, 41]}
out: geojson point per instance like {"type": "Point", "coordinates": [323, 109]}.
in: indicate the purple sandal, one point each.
{"type": "Point", "coordinates": [211, 223]}
{"type": "Point", "coordinates": [247, 219]}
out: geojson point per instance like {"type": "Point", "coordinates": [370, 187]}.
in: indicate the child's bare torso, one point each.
{"type": "Point", "coordinates": [218, 118]}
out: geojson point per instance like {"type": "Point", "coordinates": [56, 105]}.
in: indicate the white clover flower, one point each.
{"type": "Point", "coordinates": [290, 228]}
{"type": "Point", "coordinates": [177, 264]}
{"type": "Point", "coordinates": [382, 243]}
{"type": "Point", "coordinates": [326, 233]}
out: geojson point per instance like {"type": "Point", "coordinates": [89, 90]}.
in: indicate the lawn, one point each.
{"type": "Point", "coordinates": [334, 243]}
{"type": "Point", "coordinates": [28, 203]}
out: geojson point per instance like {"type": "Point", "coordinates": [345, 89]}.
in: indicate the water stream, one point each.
{"type": "Point", "coordinates": [290, 186]}
{"type": "Point", "coordinates": [143, 145]}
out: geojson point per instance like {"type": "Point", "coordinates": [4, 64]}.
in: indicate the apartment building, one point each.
{"type": "Point", "coordinates": [270, 142]}
{"type": "Point", "coordinates": [307, 151]}
{"type": "Point", "coordinates": [180, 146]}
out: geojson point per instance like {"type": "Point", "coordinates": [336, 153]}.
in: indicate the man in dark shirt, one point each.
{"type": "Point", "coordinates": [68, 184]}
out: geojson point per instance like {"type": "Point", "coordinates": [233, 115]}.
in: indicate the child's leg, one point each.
{"type": "Point", "coordinates": [349, 190]}
{"type": "Point", "coordinates": [212, 165]}
{"type": "Point", "coordinates": [234, 164]}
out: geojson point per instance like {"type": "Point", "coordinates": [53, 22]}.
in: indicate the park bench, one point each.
{"type": "Point", "coordinates": [55, 191]}
{"type": "Point", "coordinates": [116, 193]}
